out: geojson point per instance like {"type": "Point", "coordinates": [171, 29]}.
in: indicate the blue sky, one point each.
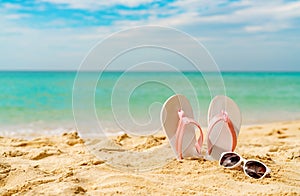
{"type": "Point", "coordinates": [241, 35]}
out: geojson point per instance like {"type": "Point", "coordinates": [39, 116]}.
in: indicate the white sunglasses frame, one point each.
{"type": "Point", "coordinates": [242, 160]}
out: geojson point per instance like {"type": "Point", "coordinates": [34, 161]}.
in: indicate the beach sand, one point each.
{"type": "Point", "coordinates": [62, 165]}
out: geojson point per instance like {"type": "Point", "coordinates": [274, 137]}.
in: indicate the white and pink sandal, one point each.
{"type": "Point", "coordinates": [224, 122]}
{"type": "Point", "coordinates": [178, 119]}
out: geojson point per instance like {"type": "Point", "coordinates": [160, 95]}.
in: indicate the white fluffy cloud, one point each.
{"type": "Point", "coordinates": [63, 46]}
{"type": "Point", "coordinates": [95, 4]}
{"type": "Point", "coordinates": [253, 16]}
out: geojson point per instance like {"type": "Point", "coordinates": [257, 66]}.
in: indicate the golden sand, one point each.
{"type": "Point", "coordinates": [62, 165]}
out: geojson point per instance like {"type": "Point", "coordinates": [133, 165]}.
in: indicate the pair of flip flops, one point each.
{"type": "Point", "coordinates": [224, 122]}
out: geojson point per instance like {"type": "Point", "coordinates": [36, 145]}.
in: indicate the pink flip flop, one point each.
{"type": "Point", "coordinates": [177, 119]}
{"type": "Point", "coordinates": [224, 122]}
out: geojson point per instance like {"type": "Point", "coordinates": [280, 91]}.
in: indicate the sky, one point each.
{"type": "Point", "coordinates": [241, 35]}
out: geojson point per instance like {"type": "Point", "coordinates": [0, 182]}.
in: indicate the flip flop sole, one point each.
{"type": "Point", "coordinates": [169, 120]}
{"type": "Point", "coordinates": [219, 135]}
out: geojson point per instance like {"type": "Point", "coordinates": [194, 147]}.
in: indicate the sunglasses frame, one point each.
{"type": "Point", "coordinates": [244, 161]}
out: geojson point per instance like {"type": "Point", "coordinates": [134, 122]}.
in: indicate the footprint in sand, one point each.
{"type": "Point", "coordinates": [294, 156]}
{"type": "Point", "coordinates": [119, 140]}
{"type": "Point", "coordinates": [275, 132]}
{"type": "Point", "coordinates": [34, 143]}
{"type": "Point", "coordinates": [282, 137]}
{"type": "Point", "coordinates": [141, 143]}
{"type": "Point", "coordinates": [91, 162]}
{"type": "Point", "coordinates": [15, 153]}
{"type": "Point", "coordinates": [273, 149]}
{"type": "Point", "coordinates": [4, 172]}
{"type": "Point", "coordinates": [280, 134]}
{"type": "Point", "coordinates": [41, 154]}
{"type": "Point", "coordinates": [253, 128]}
{"type": "Point", "coordinates": [150, 142]}
{"type": "Point", "coordinates": [72, 138]}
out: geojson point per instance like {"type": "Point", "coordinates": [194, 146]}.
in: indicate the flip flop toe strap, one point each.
{"type": "Point", "coordinates": [222, 116]}
{"type": "Point", "coordinates": [183, 121]}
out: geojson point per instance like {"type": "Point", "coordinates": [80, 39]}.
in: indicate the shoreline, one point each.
{"type": "Point", "coordinates": [28, 133]}
{"type": "Point", "coordinates": [62, 164]}
{"type": "Point", "coordinates": [40, 130]}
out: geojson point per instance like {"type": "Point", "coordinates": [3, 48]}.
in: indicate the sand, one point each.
{"type": "Point", "coordinates": [62, 165]}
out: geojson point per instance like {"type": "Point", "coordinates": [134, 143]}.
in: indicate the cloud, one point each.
{"type": "Point", "coordinates": [72, 27]}
{"type": "Point", "coordinates": [16, 16]}
{"type": "Point", "coordinates": [94, 4]}
{"type": "Point", "coordinates": [250, 15]}
{"type": "Point", "coordinates": [11, 6]}
{"type": "Point", "coordinates": [24, 47]}
{"type": "Point", "coordinates": [266, 28]}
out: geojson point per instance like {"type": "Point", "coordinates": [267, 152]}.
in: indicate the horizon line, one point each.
{"type": "Point", "coordinates": [154, 71]}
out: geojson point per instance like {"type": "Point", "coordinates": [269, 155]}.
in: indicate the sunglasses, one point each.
{"type": "Point", "coordinates": [252, 168]}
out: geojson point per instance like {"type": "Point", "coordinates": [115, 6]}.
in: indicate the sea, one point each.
{"type": "Point", "coordinates": [51, 102]}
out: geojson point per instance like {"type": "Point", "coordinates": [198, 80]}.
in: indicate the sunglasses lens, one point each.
{"type": "Point", "coordinates": [229, 159]}
{"type": "Point", "coordinates": [255, 169]}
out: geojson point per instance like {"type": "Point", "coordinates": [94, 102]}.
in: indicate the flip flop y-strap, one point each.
{"type": "Point", "coordinates": [183, 121]}
{"type": "Point", "coordinates": [222, 116]}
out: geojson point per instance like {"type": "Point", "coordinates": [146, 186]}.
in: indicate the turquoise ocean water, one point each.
{"type": "Point", "coordinates": [41, 102]}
